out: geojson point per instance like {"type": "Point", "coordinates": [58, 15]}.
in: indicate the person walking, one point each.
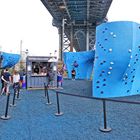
{"type": "Point", "coordinates": [2, 82]}
{"type": "Point", "coordinates": [16, 81]}
{"type": "Point", "coordinates": [6, 77]}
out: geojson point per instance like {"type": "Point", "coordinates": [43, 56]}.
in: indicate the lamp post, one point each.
{"type": "Point", "coordinates": [24, 55]}
{"type": "Point", "coordinates": [26, 52]}
{"type": "Point", "coordinates": [20, 54]}
{"type": "Point", "coordinates": [55, 51]}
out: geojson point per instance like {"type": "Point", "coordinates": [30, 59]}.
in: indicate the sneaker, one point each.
{"type": "Point", "coordinates": [1, 93]}
{"type": "Point", "coordinates": [60, 88]}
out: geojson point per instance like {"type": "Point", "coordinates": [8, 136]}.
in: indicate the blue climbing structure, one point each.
{"type": "Point", "coordinates": [82, 62]}
{"type": "Point", "coordinates": [8, 59]}
{"type": "Point", "coordinates": [117, 59]}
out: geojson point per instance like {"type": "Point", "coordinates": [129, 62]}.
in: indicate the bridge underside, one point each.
{"type": "Point", "coordinates": [76, 21]}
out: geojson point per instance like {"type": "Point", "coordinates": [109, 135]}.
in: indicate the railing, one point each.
{"type": "Point", "coordinates": [104, 128]}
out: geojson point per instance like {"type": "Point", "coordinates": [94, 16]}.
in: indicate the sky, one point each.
{"type": "Point", "coordinates": [29, 21]}
{"type": "Point", "coordinates": [127, 10]}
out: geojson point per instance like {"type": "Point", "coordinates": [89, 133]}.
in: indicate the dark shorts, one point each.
{"type": "Point", "coordinates": [73, 75]}
{"type": "Point", "coordinates": [16, 85]}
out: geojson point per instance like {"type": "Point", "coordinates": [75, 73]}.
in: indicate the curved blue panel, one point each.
{"type": "Point", "coordinates": [82, 62]}
{"type": "Point", "coordinates": [9, 59]}
{"type": "Point", "coordinates": [117, 59]}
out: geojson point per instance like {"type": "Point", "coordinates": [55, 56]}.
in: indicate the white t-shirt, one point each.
{"type": "Point", "coordinates": [16, 78]}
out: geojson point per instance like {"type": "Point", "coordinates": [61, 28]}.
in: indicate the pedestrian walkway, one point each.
{"type": "Point", "coordinates": [33, 119]}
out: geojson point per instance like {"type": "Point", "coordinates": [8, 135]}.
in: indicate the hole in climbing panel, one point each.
{"type": "Point", "coordinates": [103, 71]}
{"type": "Point", "coordinates": [96, 57]}
{"type": "Point", "coordinates": [104, 85]}
{"type": "Point", "coordinates": [102, 92]}
{"type": "Point", "coordinates": [98, 82]}
{"type": "Point", "coordinates": [133, 76]}
{"type": "Point", "coordinates": [100, 75]}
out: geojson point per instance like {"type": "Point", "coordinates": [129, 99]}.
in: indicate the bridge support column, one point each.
{"type": "Point", "coordinates": [71, 39]}
{"type": "Point", "coordinates": [61, 38]}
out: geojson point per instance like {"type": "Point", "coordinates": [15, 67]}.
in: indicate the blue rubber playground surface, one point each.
{"type": "Point", "coordinates": [33, 119]}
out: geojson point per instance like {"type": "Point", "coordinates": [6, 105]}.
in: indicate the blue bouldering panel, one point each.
{"type": "Point", "coordinates": [117, 60]}
{"type": "Point", "coordinates": [9, 59]}
{"type": "Point", "coordinates": [82, 62]}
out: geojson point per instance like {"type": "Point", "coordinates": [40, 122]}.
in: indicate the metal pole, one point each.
{"type": "Point", "coordinates": [45, 89]}
{"type": "Point", "coordinates": [105, 128]}
{"type": "Point", "coordinates": [21, 54]}
{"type": "Point", "coordinates": [71, 38]}
{"type": "Point", "coordinates": [87, 38]}
{"type": "Point", "coordinates": [104, 111]}
{"type": "Point", "coordinates": [62, 43]}
{"type": "Point", "coordinates": [48, 99]}
{"type": "Point", "coordinates": [61, 39]}
{"type": "Point", "coordinates": [18, 91]}
{"type": "Point", "coordinates": [6, 116]}
{"type": "Point", "coordinates": [13, 102]}
{"type": "Point", "coordinates": [58, 106]}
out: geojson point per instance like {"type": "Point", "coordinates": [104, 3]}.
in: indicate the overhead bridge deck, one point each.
{"type": "Point", "coordinates": [76, 21]}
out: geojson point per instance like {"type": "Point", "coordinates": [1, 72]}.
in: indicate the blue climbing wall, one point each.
{"type": "Point", "coordinates": [9, 59]}
{"type": "Point", "coordinates": [117, 59]}
{"type": "Point", "coordinates": [82, 62]}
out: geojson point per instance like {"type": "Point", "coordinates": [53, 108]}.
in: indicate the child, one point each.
{"type": "Point", "coordinates": [59, 79]}
{"type": "Point", "coordinates": [73, 74]}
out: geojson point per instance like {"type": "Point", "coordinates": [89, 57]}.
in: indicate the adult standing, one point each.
{"type": "Point", "coordinates": [16, 80]}
{"type": "Point", "coordinates": [6, 77]}
{"type": "Point", "coordinates": [2, 82]}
